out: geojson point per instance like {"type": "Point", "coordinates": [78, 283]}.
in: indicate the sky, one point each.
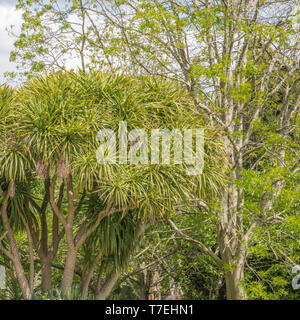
{"type": "Point", "coordinates": [8, 16]}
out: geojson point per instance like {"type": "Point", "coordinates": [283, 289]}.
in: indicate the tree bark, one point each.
{"type": "Point", "coordinates": [88, 275]}
{"type": "Point", "coordinates": [46, 275]}
{"type": "Point", "coordinates": [68, 273]}
{"type": "Point", "coordinates": [108, 286]}
{"type": "Point", "coordinates": [14, 255]}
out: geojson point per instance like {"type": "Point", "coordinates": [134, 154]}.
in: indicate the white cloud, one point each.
{"type": "Point", "coordinates": [8, 16]}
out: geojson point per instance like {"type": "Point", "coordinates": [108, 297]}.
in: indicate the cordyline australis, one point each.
{"type": "Point", "coordinates": [62, 198]}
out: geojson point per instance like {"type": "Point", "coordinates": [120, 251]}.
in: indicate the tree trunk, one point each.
{"type": "Point", "coordinates": [87, 275]}
{"type": "Point", "coordinates": [233, 248]}
{"type": "Point", "coordinates": [46, 276]}
{"type": "Point", "coordinates": [234, 288]}
{"type": "Point", "coordinates": [108, 286]}
{"type": "Point", "coordinates": [68, 274]}
{"type": "Point", "coordinates": [23, 283]}
{"type": "Point", "coordinates": [14, 255]}
{"type": "Point", "coordinates": [86, 279]}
